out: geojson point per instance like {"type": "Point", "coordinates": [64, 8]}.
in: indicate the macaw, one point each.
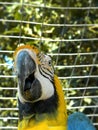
{"type": "Point", "coordinates": [79, 121]}
{"type": "Point", "coordinates": [40, 96]}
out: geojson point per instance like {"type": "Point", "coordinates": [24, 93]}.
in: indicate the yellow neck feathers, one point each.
{"type": "Point", "coordinates": [55, 122]}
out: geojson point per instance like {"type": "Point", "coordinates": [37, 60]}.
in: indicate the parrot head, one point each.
{"type": "Point", "coordinates": [40, 95]}
{"type": "Point", "coordinates": [35, 74]}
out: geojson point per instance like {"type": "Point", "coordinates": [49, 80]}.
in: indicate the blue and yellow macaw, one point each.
{"type": "Point", "coordinates": [40, 96]}
{"type": "Point", "coordinates": [41, 99]}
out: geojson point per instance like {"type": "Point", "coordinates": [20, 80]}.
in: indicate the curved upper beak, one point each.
{"type": "Point", "coordinates": [25, 67]}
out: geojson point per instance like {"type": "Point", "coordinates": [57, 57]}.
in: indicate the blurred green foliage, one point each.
{"type": "Point", "coordinates": [31, 13]}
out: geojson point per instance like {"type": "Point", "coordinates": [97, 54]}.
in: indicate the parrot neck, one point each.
{"type": "Point", "coordinates": [52, 110]}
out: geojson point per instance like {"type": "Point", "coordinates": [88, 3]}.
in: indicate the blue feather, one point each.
{"type": "Point", "coordinates": [79, 121]}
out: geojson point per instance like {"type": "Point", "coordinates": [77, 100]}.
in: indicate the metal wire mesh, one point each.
{"type": "Point", "coordinates": [79, 79]}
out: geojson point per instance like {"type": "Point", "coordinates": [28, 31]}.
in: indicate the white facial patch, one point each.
{"type": "Point", "coordinates": [47, 87]}
{"type": "Point", "coordinates": [44, 74]}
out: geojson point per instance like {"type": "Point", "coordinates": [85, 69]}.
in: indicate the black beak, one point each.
{"type": "Point", "coordinates": [29, 86]}
{"type": "Point", "coordinates": [25, 67]}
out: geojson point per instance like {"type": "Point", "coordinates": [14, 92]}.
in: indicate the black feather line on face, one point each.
{"type": "Point", "coordinates": [44, 74]}
{"type": "Point", "coordinates": [48, 106]}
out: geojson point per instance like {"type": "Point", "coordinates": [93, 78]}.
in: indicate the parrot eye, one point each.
{"type": "Point", "coordinates": [50, 63]}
